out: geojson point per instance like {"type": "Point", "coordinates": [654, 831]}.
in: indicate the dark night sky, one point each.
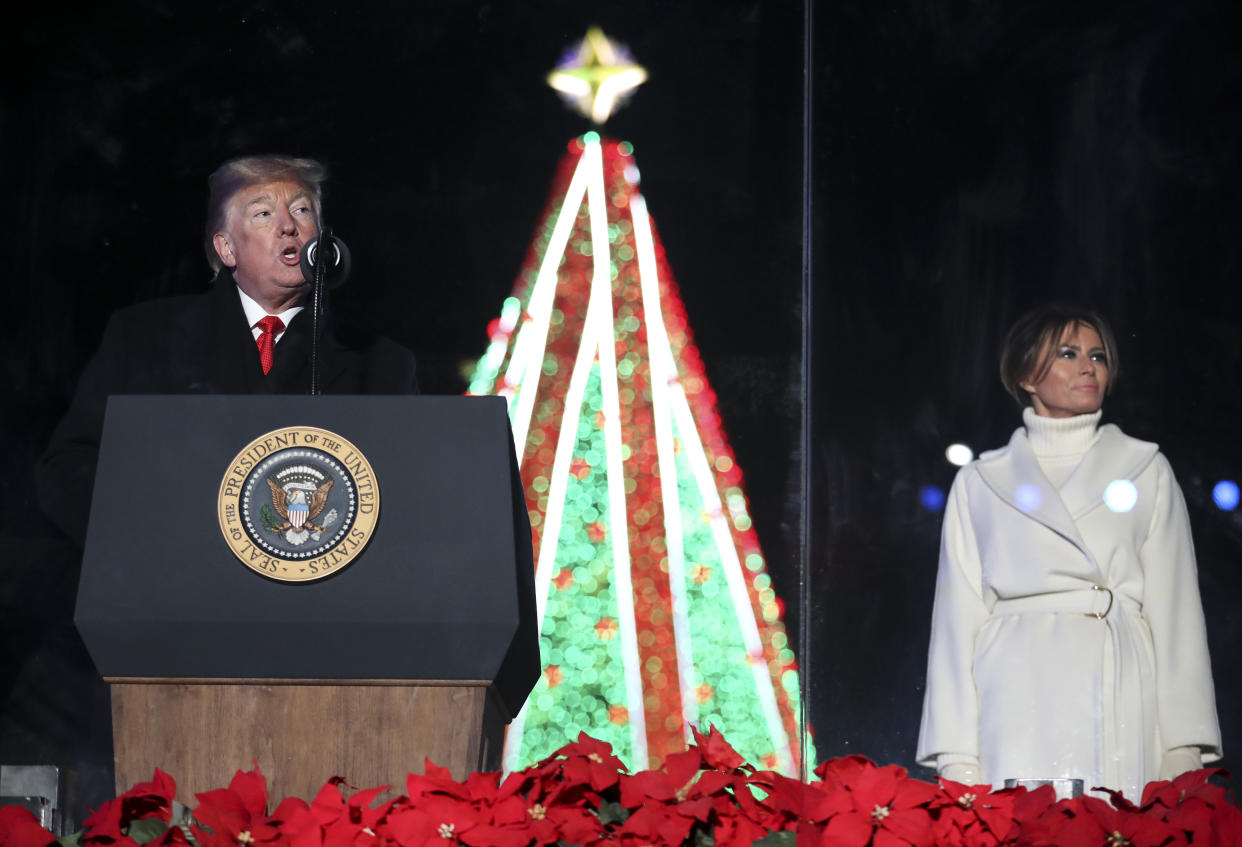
{"type": "Point", "coordinates": [968, 161]}
{"type": "Point", "coordinates": [442, 139]}
{"type": "Point", "coordinates": [971, 161]}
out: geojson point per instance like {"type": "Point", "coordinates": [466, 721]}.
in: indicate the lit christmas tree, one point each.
{"type": "Point", "coordinates": [656, 610]}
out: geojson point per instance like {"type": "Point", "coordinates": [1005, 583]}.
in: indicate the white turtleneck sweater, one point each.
{"type": "Point", "coordinates": [1060, 443]}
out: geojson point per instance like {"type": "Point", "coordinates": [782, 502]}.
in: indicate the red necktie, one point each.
{"type": "Point", "coordinates": [268, 327]}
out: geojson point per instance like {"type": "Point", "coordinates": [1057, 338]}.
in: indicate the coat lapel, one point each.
{"type": "Point", "coordinates": [291, 366]}
{"type": "Point", "coordinates": [237, 368]}
{"type": "Point", "coordinates": [1115, 456]}
{"type": "Point", "coordinates": [1016, 477]}
{"type": "Point", "coordinates": [291, 370]}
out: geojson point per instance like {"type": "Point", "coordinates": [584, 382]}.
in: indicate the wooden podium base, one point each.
{"type": "Point", "coordinates": [301, 732]}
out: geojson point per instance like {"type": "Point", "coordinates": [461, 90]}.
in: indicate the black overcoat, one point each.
{"type": "Point", "coordinates": [201, 344]}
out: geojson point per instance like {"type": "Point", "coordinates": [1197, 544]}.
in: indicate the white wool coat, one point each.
{"type": "Point", "coordinates": [1068, 637]}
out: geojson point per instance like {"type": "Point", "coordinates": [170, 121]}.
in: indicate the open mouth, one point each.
{"type": "Point", "coordinates": [289, 255]}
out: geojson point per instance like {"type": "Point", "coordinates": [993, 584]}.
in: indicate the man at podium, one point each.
{"type": "Point", "coordinates": [249, 334]}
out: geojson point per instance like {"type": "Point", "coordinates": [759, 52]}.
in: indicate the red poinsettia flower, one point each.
{"type": "Point", "coordinates": [503, 819]}
{"type": "Point", "coordinates": [837, 773]}
{"type": "Point", "coordinates": [299, 823]}
{"type": "Point", "coordinates": [737, 830]}
{"type": "Point", "coordinates": [362, 811]}
{"type": "Point", "coordinates": [656, 825]}
{"type": "Point", "coordinates": [544, 809]}
{"type": "Point", "coordinates": [1088, 821]}
{"type": "Point", "coordinates": [104, 827]}
{"type": "Point", "coordinates": [747, 801]}
{"type": "Point", "coordinates": [1172, 793]}
{"type": "Point", "coordinates": [20, 828]}
{"type": "Point", "coordinates": [434, 780]}
{"type": "Point", "coordinates": [1054, 825]}
{"type": "Point", "coordinates": [1194, 806]}
{"type": "Point", "coordinates": [109, 824]}
{"type": "Point", "coordinates": [1123, 826]}
{"type": "Point", "coordinates": [681, 779]}
{"type": "Point", "coordinates": [973, 815]}
{"type": "Point", "coordinates": [502, 810]}
{"type": "Point", "coordinates": [668, 801]}
{"type": "Point", "coordinates": [588, 762]}
{"type": "Point", "coordinates": [718, 754]}
{"type": "Point", "coordinates": [866, 804]}
{"type": "Point", "coordinates": [329, 803]}
{"type": "Point", "coordinates": [437, 821]}
{"type": "Point", "coordinates": [1226, 826]}
{"type": "Point", "coordinates": [236, 816]}
{"type": "Point", "coordinates": [351, 823]}
{"type": "Point", "coordinates": [782, 803]}
{"type": "Point", "coordinates": [498, 814]}
{"type": "Point", "coordinates": [152, 799]}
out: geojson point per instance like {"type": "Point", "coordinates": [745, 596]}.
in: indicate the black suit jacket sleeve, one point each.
{"type": "Point", "coordinates": [65, 475]}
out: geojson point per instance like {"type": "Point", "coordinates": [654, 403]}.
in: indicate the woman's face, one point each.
{"type": "Point", "coordinates": [1074, 384]}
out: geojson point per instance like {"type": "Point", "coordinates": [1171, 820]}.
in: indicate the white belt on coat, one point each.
{"type": "Point", "coordinates": [1096, 601]}
{"type": "Point", "coordinates": [1122, 693]}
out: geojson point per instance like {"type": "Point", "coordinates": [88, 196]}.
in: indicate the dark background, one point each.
{"type": "Point", "coordinates": [968, 160]}
{"type": "Point", "coordinates": [442, 139]}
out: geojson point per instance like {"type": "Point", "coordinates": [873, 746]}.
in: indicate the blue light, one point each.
{"type": "Point", "coordinates": [931, 497]}
{"type": "Point", "coordinates": [1225, 493]}
{"type": "Point", "coordinates": [1029, 497]}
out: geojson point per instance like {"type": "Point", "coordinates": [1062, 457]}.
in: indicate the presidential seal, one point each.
{"type": "Point", "coordinates": [298, 504]}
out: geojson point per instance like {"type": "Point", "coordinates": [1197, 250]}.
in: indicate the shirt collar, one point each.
{"type": "Point", "coordinates": [255, 312]}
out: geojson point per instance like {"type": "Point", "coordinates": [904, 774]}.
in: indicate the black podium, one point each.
{"type": "Point", "coordinates": [423, 645]}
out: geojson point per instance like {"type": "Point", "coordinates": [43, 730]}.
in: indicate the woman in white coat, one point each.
{"type": "Point", "coordinates": [1067, 638]}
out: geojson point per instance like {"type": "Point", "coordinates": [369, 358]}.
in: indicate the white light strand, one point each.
{"type": "Point", "coordinates": [661, 376]}
{"type": "Point", "coordinates": [528, 352]}
{"type": "Point", "coordinates": [549, 541]}
{"type": "Point", "coordinates": [526, 364]}
{"type": "Point", "coordinates": [697, 457]}
{"type": "Point", "coordinates": [618, 518]}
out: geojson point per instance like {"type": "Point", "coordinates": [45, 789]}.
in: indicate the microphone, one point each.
{"type": "Point", "coordinates": [336, 263]}
{"type": "Point", "coordinates": [326, 268]}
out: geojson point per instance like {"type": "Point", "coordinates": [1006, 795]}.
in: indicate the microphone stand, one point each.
{"type": "Point", "coordinates": [318, 276]}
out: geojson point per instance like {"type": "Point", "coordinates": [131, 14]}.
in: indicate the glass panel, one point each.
{"type": "Point", "coordinates": [443, 144]}
{"type": "Point", "coordinates": [970, 163]}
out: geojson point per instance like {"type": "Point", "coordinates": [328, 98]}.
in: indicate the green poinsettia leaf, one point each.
{"type": "Point", "coordinates": [181, 814]}
{"type": "Point", "coordinates": [612, 812]}
{"type": "Point", "coordinates": [700, 837]}
{"type": "Point", "coordinates": [777, 839]}
{"type": "Point", "coordinates": [74, 840]}
{"type": "Point", "coordinates": [146, 830]}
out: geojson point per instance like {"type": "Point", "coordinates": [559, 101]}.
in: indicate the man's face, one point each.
{"type": "Point", "coordinates": [265, 227]}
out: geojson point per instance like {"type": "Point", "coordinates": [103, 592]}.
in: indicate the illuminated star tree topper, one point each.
{"type": "Point", "coordinates": [598, 76]}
